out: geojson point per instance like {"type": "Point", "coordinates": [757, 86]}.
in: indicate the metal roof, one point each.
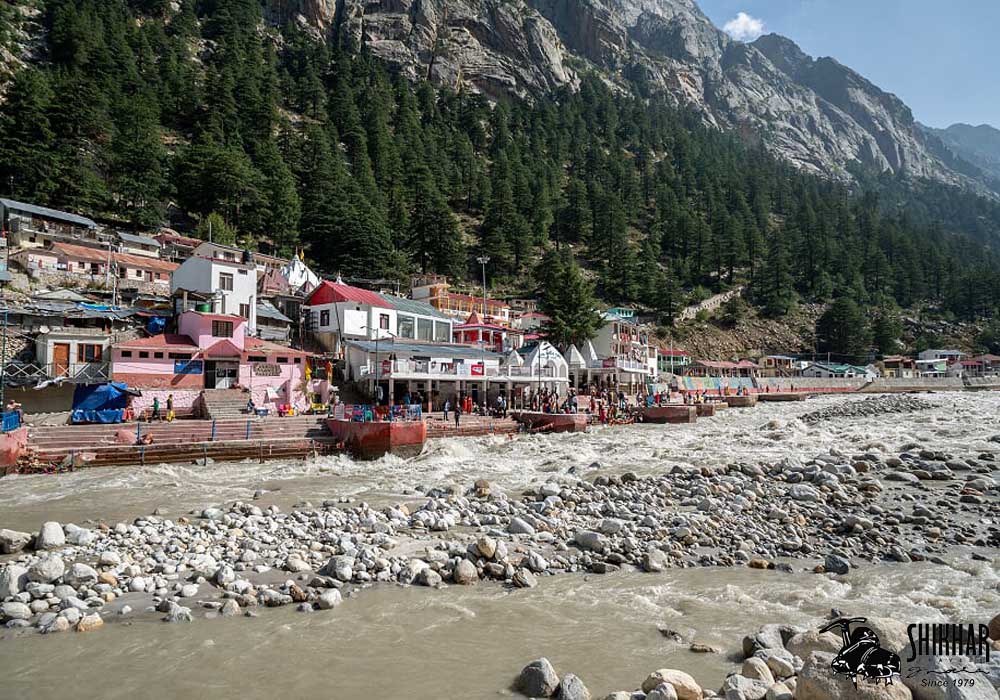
{"type": "Point", "coordinates": [141, 240]}
{"type": "Point", "coordinates": [266, 309]}
{"type": "Point", "coordinates": [411, 306]}
{"type": "Point", "coordinates": [48, 213]}
{"type": "Point", "coordinates": [441, 349]}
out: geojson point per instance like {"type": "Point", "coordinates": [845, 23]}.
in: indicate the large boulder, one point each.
{"type": "Point", "coordinates": [465, 573]}
{"type": "Point", "coordinates": [932, 678]}
{"type": "Point", "coordinates": [995, 627]}
{"type": "Point", "coordinates": [12, 541]}
{"type": "Point", "coordinates": [13, 579]}
{"type": "Point", "coordinates": [15, 611]}
{"type": "Point", "coordinates": [538, 679]}
{"type": "Point", "coordinates": [572, 688]}
{"type": "Point", "coordinates": [51, 536]}
{"type": "Point", "coordinates": [817, 681]}
{"type": "Point", "coordinates": [805, 643]}
{"type": "Point", "coordinates": [891, 633]}
{"type": "Point", "coordinates": [684, 684]}
{"type": "Point", "coordinates": [81, 575]}
{"type": "Point", "coordinates": [739, 687]}
{"type": "Point", "coordinates": [47, 569]}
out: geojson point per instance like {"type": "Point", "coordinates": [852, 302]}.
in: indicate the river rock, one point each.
{"type": "Point", "coordinates": [779, 691]}
{"type": "Point", "coordinates": [177, 613]}
{"type": "Point", "coordinates": [523, 578]}
{"type": "Point", "coordinates": [12, 541]}
{"type": "Point", "coordinates": [465, 573]}
{"type": "Point", "coordinates": [137, 584]}
{"type": "Point", "coordinates": [995, 627]}
{"type": "Point", "coordinates": [684, 684]}
{"type": "Point", "coordinates": [801, 492]}
{"type": "Point", "coordinates": [891, 633]}
{"type": "Point", "coordinates": [81, 575]}
{"type": "Point", "coordinates": [664, 691]}
{"type": "Point", "coordinates": [341, 567]}
{"type": "Point", "coordinates": [518, 526]}
{"type": "Point", "coordinates": [188, 590]}
{"type": "Point", "coordinates": [15, 610]}
{"type": "Point", "coordinates": [590, 540]}
{"type": "Point", "coordinates": [109, 558]}
{"type": "Point", "coordinates": [57, 623]}
{"type": "Point", "coordinates": [51, 536]}
{"type": "Point", "coordinates": [817, 681]}
{"type": "Point", "coordinates": [572, 688]}
{"type": "Point", "coordinates": [486, 546]}
{"type": "Point", "coordinates": [429, 577]}
{"type": "Point", "coordinates": [329, 599]}
{"type": "Point", "coordinates": [654, 560]}
{"type": "Point", "coordinates": [757, 669]}
{"type": "Point", "coordinates": [739, 687]}
{"type": "Point", "coordinates": [89, 623]}
{"type": "Point", "coordinates": [805, 643]}
{"type": "Point", "coordinates": [836, 564]}
{"type": "Point", "coordinates": [47, 569]}
{"type": "Point", "coordinates": [79, 536]}
{"type": "Point", "coordinates": [230, 608]}
{"type": "Point", "coordinates": [13, 579]}
{"type": "Point", "coordinates": [960, 685]}
{"type": "Point", "coordinates": [538, 679]}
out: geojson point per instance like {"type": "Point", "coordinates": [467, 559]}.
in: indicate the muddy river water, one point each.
{"type": "Point", "coordinates": [469, 642]}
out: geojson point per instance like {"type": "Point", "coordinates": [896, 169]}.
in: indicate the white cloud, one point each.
{"type": "Point", "coordinates": [743, 27]}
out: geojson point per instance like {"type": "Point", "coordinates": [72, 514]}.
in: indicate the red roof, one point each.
{"type": "Point", "coordinates": [79, 252]}
{"type": "Point", "coordinates": [476, 321]}
{"type": "Point", "coordinates": [535, 314]}
{"type": "Point", "coordinates": [163, 341]}
{"type": "Point", "coordinates": [970, 363]}
{"type": "Point", "coordinates": [178, 239]}
{"type": "Point", "coordinates": [331, 293]}
{"type": "Point", "coordinates": [987, 358]}
{"type": "Point", "coordinates": [672, 353]}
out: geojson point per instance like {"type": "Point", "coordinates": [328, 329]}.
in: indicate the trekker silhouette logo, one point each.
{"type": "Point", "coordinates": [861, 653]}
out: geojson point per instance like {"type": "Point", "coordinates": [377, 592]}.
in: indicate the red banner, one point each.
{"type": "Point", "coordinates": [478, 370]}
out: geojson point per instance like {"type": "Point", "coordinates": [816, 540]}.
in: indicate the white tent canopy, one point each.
{"type": "Point", "coordinates": [590, 355]}
{"type": "Point", "coordinates": [298, 273]}
{"type": "Point", "coordinates": [573, 358]}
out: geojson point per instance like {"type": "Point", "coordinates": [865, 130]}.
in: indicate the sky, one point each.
{"type": "Point", "coordinates": [941, 57]}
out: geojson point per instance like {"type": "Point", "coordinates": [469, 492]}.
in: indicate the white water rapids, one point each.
{"type": "Point", "coordinates": [469, 642]}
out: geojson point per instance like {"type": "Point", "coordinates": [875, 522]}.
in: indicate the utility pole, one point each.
{"type": "Point", "coordinates": [482, 260]}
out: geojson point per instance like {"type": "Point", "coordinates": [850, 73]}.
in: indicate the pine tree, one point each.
{"type": "Point", "coordinates": [433, 237]}
{"type": "Point", "coordinates": [27, 161]}
{"type": "Point", "coordinates": [843, 331]}
{"type": "Point", "coordinates": [567, 298]}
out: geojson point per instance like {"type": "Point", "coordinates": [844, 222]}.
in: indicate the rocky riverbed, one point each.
{"type": "Point", "coordinates": [819, 519]}
{"type": "Point", "coordinates": [874, 406]}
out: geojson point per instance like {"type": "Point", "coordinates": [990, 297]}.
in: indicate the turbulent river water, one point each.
{"type": "Point", "coordinates": [469, 642]}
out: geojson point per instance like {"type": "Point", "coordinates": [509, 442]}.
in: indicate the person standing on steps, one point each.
{"type": "Point", "coordinates": [458, 412]}
{"type": "Point", "coordinates": [156, 408]}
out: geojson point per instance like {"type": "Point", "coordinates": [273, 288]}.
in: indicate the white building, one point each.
{"type": "Point", "coordinates": [228, 275]}
{"type": "Point", "coordinates": [73, 352]}
{"type": "Point", "coordinates": [937, 354]}
{"type": "Point", "coordinates": [337, 313]}
{"type": "Point", "coordinates": [626, 354]}
{"type": "Point", "coordinates": [138, 245]}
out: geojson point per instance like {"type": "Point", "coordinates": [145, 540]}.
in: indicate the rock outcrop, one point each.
{"type": "Point", "coordinates": [815, 113]}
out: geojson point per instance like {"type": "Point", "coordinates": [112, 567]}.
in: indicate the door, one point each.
{"type": "Point", "coordinates": [60, 359]}
{"type": "Point", "coordinates": [226, 375]}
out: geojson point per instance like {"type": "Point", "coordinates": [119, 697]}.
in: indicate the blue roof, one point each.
{"type": "Point", "coordinates": [48, 213]}
{"type": "Point", "coordinates": [141, 240]}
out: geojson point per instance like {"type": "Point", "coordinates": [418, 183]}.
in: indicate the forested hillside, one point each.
{"type": "Point", "coordinates": [138, 111]}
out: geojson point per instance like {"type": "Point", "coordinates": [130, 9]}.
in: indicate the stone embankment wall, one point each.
{"type": "Point", "coordinates": [810, 384]}
{"type": "Point", "coordinates": [893, 384]}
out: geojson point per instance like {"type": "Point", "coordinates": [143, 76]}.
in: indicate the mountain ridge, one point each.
{"type": "Point", "coordinates": [814, 112]}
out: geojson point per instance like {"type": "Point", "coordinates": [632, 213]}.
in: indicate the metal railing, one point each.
{"type": "Point", "coordinates": [77, 372]}
{"type": "Point", "coordinates": [424, 368]}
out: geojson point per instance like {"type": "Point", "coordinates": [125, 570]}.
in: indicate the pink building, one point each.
{"type": "Point", "coordinates": [210, 351]}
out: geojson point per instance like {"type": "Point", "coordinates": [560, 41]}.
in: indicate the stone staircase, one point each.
{"type": "Point", "coordinates": [469, 426]}
{"type": "Point", "coordinates": [224, 403]}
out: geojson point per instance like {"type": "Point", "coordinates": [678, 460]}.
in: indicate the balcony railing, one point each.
{"type": "Point", "coordinates": [449, 371]}
{"type": "Point", "coordinates": [21, 373]}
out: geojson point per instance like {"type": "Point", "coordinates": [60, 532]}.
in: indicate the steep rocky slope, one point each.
{"type": "Point", "coordinates": [979, 145]}
{"type": "Point", "coordinates": [816, 113]}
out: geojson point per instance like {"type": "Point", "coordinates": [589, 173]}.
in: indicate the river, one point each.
{"type": "Point", "coordinates": [463, 642]}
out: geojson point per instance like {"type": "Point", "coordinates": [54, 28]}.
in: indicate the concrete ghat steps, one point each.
{"type": "Point", "coordinates": [224, 403]}
{"type": "Point", "coordinates": [66, 438]}
{"type": "Point", "coordinates": [469, 426]}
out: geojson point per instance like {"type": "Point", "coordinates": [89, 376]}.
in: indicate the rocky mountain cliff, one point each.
{"type": "Point", "coordinates": [979, 145]}
{"type": "Point", "coordinates": [816, 113]}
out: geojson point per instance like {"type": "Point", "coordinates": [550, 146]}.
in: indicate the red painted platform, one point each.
{"type": "Point", "coordinates": [669, 414]}
{"type": "Point", "coordinates": [372, 440]}
{"type": "Point", "coordinates": [707, 410]}
{"type": "Point", "coordinates": [552, 422]}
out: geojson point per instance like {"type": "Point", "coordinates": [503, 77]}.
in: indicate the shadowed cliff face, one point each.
{"type": "Point", "coordinates": [816, 113]}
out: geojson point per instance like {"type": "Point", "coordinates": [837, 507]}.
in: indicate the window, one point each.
{"type": "Point", "coordinates": [122, 272]}
{"type": "Point", "coordinates": [138, 274]}
{"type": "Point", "coordinates": [245, 311]}
{"type": "Point", "coordinates": [282, 360]}
{"type": "Point", "coordinates": [297, 360]}
{"type": "Point", "coordinates": [222, 329]}
{"type": "Point", "coordinates": [143, 354]}
{"type": "Point", "coordinates": [85, 352]}
{"type": "Point", "coordinates": [383, 321]}
{"type": "Point", "coordinates": [425, 329]}
{"type": "Point", "coordinates": [179, 355]}
{"type": "Point", "coordinates": [442, 332]}
{"type": "Point", "coordinates": [256, 358]}
{"type": "Point", "coordinates": [243, 272]}
{"type": "Point", "coordinates": [324, 318]}
{"type": "Point", "coordinates": [404, 327]}
{"type": "Point", "coordinates": [94, 268]}
{"type": "Point", "coordinates": [158, 355]}
{"type": "Point", "coordinates": [226, 281]}
{"type": "Point", "coordinates": [126, 354]}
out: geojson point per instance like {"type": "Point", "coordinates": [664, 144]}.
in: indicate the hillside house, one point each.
{"type": "Point", "coordinates": [92, 264]}
{"type": "Point", "coordinates": [227, 275]}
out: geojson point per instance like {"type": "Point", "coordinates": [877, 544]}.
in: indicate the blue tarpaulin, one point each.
{"type": "Point", "coordinates": [100, 403]}
{"type": "Point", "coordinates": [155, 325]}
